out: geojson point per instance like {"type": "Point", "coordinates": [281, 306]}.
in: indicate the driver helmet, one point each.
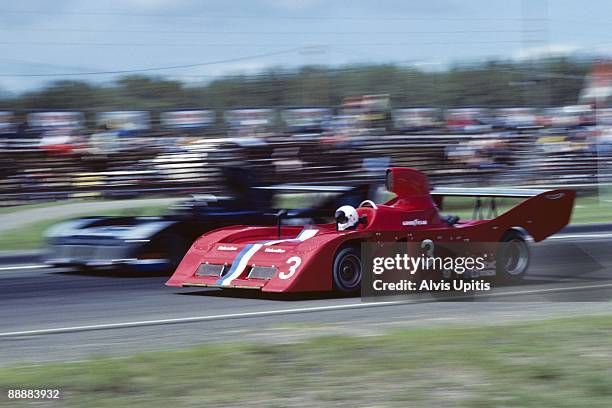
{"type": "Point", "coordinates": [346, 217]}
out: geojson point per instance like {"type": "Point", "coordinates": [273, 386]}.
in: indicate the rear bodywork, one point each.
{"type": "Point", "coordinates": [299, 259]}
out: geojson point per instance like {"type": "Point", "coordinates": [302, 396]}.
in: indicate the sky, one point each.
{"type": "Point", "coordinates": [42, 41]}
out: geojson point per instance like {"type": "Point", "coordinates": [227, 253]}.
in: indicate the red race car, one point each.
{"type": "Point", "coordinates": [327, 257]}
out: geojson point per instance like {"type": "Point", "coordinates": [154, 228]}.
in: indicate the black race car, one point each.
{"type": "Point", "coordinates": [155, 244]}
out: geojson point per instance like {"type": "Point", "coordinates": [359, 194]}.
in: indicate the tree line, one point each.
{"type": "Point", "coordinates": [550, 82]}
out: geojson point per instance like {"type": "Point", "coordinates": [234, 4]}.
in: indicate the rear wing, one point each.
{"type": "Point", "coordinates": [486, 192]}
{"type": "Point", "coordinates": [541, 214]}
{"type": "Point", "coordinates": [481, 205]}
{"type": "Point", "coordinates": [305, 188]}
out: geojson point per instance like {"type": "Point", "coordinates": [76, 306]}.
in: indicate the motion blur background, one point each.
{"type": "Point", "coordinates": [129, 98]}
{"type": "Point", "coordinates": [147, 100]}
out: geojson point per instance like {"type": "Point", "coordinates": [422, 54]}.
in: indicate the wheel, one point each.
{"type": "Point", "coordinates": [347, 270]}
{"type": "Point", "coordinates": [513, 257]}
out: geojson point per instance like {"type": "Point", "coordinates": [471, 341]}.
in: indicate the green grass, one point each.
{"type": "Point", "coordinates": [586, 209]}
{"type": "Point", "coordinates": [31, 235]}
{"type": "Point", "coordinates": [555, 363]}
{"type": "Point", "coordinates": [301, 200]}
{"type": "Point", "coordinates": [592, 209]}
{"type": "Point", "coordinates": [17, 208]}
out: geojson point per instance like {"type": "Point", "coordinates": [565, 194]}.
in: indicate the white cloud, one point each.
{"type": "Point", "coordinates": [552, 50]}
{"type": "Point", "coordinates": [237, 68]}
{"type": "Point", "coordinates": [153, 4]}
{"type": "Point", "coordinates": [294, 5]}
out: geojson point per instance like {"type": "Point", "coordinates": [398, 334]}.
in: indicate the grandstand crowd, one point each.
{"type": "Point", "coordinates": [47, 155]}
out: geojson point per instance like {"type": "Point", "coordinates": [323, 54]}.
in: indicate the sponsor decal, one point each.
{"type": "Point", "coordinates": [275, 250]}
{"type": "Point", "coordinates": [555, 196]}
{"type": "Point", "coordinates": [227, 248]}
{"type": "Point", "coordinates": [414, 222]}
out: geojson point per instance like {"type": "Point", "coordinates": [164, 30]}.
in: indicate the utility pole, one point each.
{"type": "Point", "coordinates": [534, 35]}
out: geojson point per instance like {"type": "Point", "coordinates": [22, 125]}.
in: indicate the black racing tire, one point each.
{"type": "Point", "coordinates": [347, 270]}
{"type": "Point", "coordinates": [513, 257]}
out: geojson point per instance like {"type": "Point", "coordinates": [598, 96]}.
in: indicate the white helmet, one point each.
{"type": "Point", "coordinates": [346, 217]}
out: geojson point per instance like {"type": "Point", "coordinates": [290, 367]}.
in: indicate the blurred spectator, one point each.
{"type": "Point", "coordinates": [104, 141]}
{"type": "Point", "coordinates": [407, 120]}
{"type": "Point", "coordinates": [59, 140]}
{"type": "Point", "coordinates": [466, 120]}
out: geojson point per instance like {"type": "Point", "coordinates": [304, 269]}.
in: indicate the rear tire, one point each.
{"type": "Point", "coordinates": [513, 256]}
{"type": "Point", "coordinates": [347, 270]}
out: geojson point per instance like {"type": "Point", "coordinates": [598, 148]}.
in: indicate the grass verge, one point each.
{"type": "Point", "coordinates": [31, 235]}
{"type": "Point", "coordinates": [17, 208]}
{"type": "Point", "coordinates": [586, 209]}
{"type": "Point", "coordinates": [560, 363]}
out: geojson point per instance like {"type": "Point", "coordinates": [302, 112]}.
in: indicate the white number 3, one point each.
{"type": "Point", "coordinates": [428, 245]}
{"type": "Point", "coordinates": [295, 261]}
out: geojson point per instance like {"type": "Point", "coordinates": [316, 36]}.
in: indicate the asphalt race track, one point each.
{"type": "Point", "coordinates": [48, 315]}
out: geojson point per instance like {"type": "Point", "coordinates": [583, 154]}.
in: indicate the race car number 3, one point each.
{"type": "Point", "coordinates": [294, 262]}
{"type": "Point", "coordinates": [33, 394]}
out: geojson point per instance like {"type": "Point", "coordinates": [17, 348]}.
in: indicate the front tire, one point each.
{"type": "Point", "coordinates": [513, 256]}
{"type": "Point", "coordinates": [347, 270]}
